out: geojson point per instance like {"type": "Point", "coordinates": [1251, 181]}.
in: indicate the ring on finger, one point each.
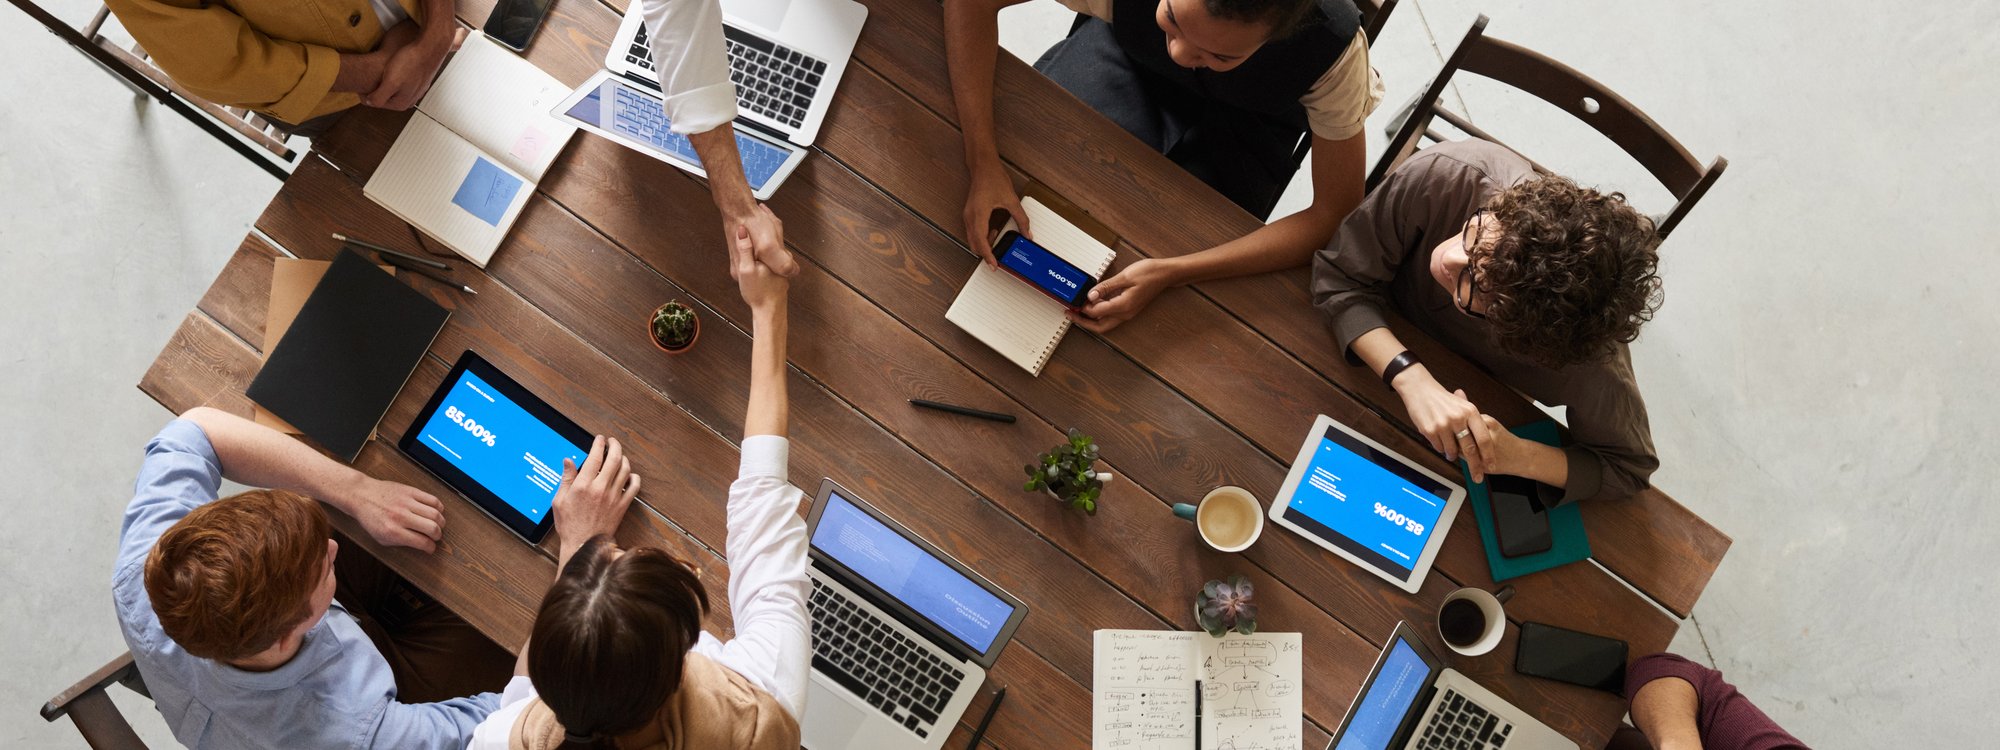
{"type": "Point", "coordinates": [1462, 433]}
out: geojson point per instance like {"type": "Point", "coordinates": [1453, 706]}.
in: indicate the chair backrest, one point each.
{"type": "Point", "coordinates": [1570, 91]}
{"type": "Point", "coordinates": [90, 708]}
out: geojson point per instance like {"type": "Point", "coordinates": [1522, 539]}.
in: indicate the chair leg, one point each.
{"type": "Point", "coordinates": [102, 727]}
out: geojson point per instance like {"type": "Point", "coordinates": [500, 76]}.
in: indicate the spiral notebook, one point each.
{"type": "Point", "coordinates": [1008, 314]}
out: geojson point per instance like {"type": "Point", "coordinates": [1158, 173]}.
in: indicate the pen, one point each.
{"type": "Point", "coordinates": [1197, 715]}
{"type": "Point", "coordinates": [435, 276]}
{"type": "Point", "coordinates": [965, 410]}
{"type": "Point", "coordinates": [439, 265]}
{"type": "Point", "coordinates": [980, 733]}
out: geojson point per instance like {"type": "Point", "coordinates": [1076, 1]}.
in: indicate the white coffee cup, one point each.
{"type": "Point", "coordinates": [1229, 518]}
{"type": "Point", "coordinates": [1491, 620]}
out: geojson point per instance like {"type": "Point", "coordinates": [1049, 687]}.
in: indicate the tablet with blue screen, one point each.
{"type": "Point", "coordinates": [634, 115]}
{"type": "Point", "coordinates": [496, 444]}
{"type": "Point", "coordinates": [1365, 503]}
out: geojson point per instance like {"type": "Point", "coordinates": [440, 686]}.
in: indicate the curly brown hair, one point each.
{"type": "Point", "coordinates": [1572, 274]}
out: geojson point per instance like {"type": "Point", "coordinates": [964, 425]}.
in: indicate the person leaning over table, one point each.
{"type": "Point", "coordinates": [617, 657]}
{"type": "Point", "coordinates": [250, 628]}
{"type": "Point", "coordinates": [1677, 704]}
{"type": "Point", "coordinates": [1537, 280]}
{"type": "Point", "coordinates": [299, 62]}
{"type": "Point", "coordinates": [1224, 88]}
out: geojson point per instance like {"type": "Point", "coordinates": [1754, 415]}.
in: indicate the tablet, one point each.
{"type": "Point", "coordinates": [633, 115]}
{"type": "Point", "coordinates": [496, 444]}
{"type": "Point", "coordinates": [1364, 502]}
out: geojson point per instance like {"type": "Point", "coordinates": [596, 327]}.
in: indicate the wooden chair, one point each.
{"type": "Point", "coordinates": [259, 140]}
{"type": "Point", "coordinates": [90, 708]}
{"type": "Point", "coordinates": [1573, 92]}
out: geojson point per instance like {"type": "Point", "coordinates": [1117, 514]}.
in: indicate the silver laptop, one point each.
{"type": "Point", "coordinates": [1411, 701]}
{"type": "Point", "coordinates": [902, 633]}
{"type": "Point", "coordinates": [785, 56]}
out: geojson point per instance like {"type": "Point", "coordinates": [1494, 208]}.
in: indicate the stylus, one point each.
{"type": "Point", "coordinates": [434, 276]}
{"type": "Point", "coordinates": [963, 410]}
{"type": "Point", "coordinates": [980, 733]}
{"type": "Point", "coordinates": [1197, 715]}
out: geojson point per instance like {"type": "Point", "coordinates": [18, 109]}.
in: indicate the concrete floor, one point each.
{"type": "Point", "coordinates": [1819, 379]}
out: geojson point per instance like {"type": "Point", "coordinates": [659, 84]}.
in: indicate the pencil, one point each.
{"type": "Point", "coordinates": [439, 265]}
{"type": "Point", "coordinates": [1197, 715]}
{"type": "Point", "coordinates": [964, 410]}
{"type": "Point", "coordinates": [435, 276]}
{"type": "Point", "coordinates": [980, 732]}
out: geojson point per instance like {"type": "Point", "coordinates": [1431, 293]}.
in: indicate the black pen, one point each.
{"type": "Point", "coordinates": [435, 276]}
{"type": "Point", "coordinates": [965, 410]}
{"type": "Point", "coordinates": [1197, 715]}
{"type": "Point", "coordinates": [984, 721]}
{"type": "Point", "coordinates": [439, 265]}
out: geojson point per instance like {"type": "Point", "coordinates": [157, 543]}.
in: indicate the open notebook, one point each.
{"type": "Point", "coordinates": [1008, 314]}
{"type": "Point", "coordinates": [470, 157]}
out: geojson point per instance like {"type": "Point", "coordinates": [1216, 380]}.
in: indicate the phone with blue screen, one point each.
{"type": "Point", "coordinates": [1044, 270]}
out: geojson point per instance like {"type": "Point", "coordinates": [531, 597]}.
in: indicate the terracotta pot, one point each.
{"type": "Point", "coordinates": [663, 347]}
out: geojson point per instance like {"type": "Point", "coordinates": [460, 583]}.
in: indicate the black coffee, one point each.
{"type": "Point", "coordinates": [1461, 622]}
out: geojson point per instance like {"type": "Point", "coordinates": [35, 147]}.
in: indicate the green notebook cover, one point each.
{"type": "Point", "coordinates": [1569, 543]}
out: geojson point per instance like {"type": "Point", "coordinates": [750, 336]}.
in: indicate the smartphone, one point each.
{"type": "Point", "coordinates": [1517, 519]}
{"type": "Point", "coordinates": [1043, 270]}
{"type": "Point", "coordinates": [1564, 655]}
{"type": "Point", "coordinates": [513, 22]}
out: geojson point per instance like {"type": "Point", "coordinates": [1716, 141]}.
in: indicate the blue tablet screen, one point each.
{"type": "Point", "coordinates": [1368, 503]}
{"type": "Point", "coordinates": [481, 432]}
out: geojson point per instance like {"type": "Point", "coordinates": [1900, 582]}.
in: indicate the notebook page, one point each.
{"type": "Point", "coordinates": [500, 102]}
{"type": "Point", "coordinates": [1142, 689]}
{"type": "Point", "coordinates": [449, 189]}
{"type": "Point", "coordinates": [1064, 239]}
{"type": "Point", "coordinates": [1250, 691]}
{"type": "Point", "coordinates": [1010, 316]}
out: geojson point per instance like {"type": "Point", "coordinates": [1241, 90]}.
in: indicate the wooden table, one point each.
{"type": "Point", "coordinates": [1212, 385]}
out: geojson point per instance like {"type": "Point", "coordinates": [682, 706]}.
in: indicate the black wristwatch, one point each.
{"type": "Point", "coordinates": [1397, 366]}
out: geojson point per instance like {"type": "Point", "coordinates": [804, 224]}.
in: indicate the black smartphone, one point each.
{"type": "Point", "coordinates": [1564, 655]}
{"type": "Point", "coordinates": [1043, 270]}
{"type": "Point", "coordinates": [1517, 519]}
{"type": "Point", "coordinates": [513, 22]}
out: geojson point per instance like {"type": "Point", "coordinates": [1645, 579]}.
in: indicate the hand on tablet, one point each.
{"type": "Point", "coordinates": [397, 514]}
{"type": "Point", "coordinates": [592, 499]}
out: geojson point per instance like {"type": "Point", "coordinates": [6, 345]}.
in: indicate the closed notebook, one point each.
{"type": "Point", "coordinates": [347, 354]}
{"type": "Point", "coordinates": [469, 159]}
{"type": "Point", "coordinates": [1011, 316]}
{"type": "Point", "coordinates": [292, 281]}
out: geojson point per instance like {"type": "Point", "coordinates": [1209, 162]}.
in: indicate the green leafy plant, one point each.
{"type": "Point", "coordinates": [675, 325]}
{"type": "Point", "coordinates": [1068, 471]}
{"type": "Point", "coordinates": [1222, 606]}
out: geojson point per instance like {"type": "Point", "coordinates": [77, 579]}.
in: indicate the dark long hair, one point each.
{"type": "Point", "coordinates": [611, 638]}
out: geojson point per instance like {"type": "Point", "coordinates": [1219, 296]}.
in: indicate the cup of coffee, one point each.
{"type": "Point", "coordinates": [1229, 518]}
{"type": "Point", "coordinates": [1471, 621]}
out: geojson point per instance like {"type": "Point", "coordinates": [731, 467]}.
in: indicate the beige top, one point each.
{"type": "Point", "coordinates": [1337, 107]}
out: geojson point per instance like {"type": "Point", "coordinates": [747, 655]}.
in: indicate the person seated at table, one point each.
{"type": "Point", "coordinates": [254, 631]}
{"type": "Point", "coordinates": [617, 657]}
{"type": "Point", "coordinates": [1536, 280]}
{"type": "Point", "coordinates": [689, 54]}
{"type": "Point", "coordinates": [299, 62]}
{"type": "Point", "coordinates": [1680, 705]}
{"type": "Point", "coordinates": [1224, 88]}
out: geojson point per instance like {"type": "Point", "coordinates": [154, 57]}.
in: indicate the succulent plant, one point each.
{"type": "Point", "coordinates": [674, 325]}
{"type": "Point", "coordinates": [1222, 606]}
{"type": "Point", "coordinates": [1068, 471]}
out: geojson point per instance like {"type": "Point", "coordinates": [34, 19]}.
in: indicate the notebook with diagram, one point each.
{"type": "Point", "coordinates": [1150, 688]}
{"type": "Point", "coordinates": [471, 155]}
{"type": "Point", "coordinates": [1010, 316]}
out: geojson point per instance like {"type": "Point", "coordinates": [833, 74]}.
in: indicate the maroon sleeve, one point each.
{"type": "Point", "coordinates": [1727, 719]}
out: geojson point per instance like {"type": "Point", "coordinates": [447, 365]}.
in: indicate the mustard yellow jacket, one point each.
{"type": "Point", "coordinates": [278, 57]}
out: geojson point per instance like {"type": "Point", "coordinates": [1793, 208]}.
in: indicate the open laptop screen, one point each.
{"type": "Point", "coordinates": [930, 587]}
{"type": "Point", "coordinates": [1387, 699]}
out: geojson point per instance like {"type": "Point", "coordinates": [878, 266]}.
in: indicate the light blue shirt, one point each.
{"type": "Point", "coordinates": [337, 692]}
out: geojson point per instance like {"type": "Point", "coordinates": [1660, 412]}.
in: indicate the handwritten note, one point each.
{"type": "Point", "coordinates": [486, 191]}
{"type": "Point", "coordinates": [1145, 682]}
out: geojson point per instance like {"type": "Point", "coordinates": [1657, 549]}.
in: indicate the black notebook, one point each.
{"type": "Point", "coordinates": [355, 342]}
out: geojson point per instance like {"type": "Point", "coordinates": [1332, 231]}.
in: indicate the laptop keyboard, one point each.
{"type": "Point", "coordinates": [1460, 724]}
{"type": "Point", "coordinates": [877, 662]}
{"type": "Point", "coordinates": [771, 79]}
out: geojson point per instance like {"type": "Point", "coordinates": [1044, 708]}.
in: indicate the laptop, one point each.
{"type": "Point", "coordinates": [1410, 702]}
{"type": "Point", "coordinates": [902, 634]}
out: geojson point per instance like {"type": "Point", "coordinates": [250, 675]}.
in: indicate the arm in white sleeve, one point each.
{"type": "Point", "coordinates": [693, 65]}
{"type": "Point", "coordinates": [767, 577]}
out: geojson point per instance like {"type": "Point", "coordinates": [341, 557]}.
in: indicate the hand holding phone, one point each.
{"type": "Point", "coordinates": [1044, 270]}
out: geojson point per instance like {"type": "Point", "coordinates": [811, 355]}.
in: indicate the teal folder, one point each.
{"type": "Point", "coordinates": [1568, 542]}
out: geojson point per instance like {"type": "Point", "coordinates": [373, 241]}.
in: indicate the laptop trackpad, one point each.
{"type": "Point", "coordinates": [766, 14]}
{"type": "Point", "coordinates": [833, 722]}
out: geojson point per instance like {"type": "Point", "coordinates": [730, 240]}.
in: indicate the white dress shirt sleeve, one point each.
{"type": "Point", "coordinates": [693, 65]}
{"type": "Point", "coordinates": [494, 733]}
{"type": "Point", "coordinates": [767, 578]}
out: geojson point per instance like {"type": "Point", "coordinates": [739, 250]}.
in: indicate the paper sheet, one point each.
{"type": "Point", "coordinates": [1144, 690]}
{"type": "Point", "coordinates": [500, 102]}
{"type": "Point", "coordinates": [425, 178]}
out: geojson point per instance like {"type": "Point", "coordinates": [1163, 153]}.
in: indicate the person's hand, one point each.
{"type": "Point", "coordinates": [763, 288]}
{"type": "Point", "coordinates": [412, 65]}
{"type": "Point", "coordinates": [766, 241]}
{"type": "Point", "coordinates": [1440, 415]}
{"type": "Point", "coordinates": [592, 498]}
{"type": "Point", "coordinates": [990, 191]}
{"type": "Point", "coordinates": [1500, 451]}
{"type": "Point", "coordinates": [396, 514]}
{"type": "Point", "coordinates": [1115, 300]}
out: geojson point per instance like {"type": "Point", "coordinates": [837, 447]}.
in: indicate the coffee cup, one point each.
{"type": "Point", "coordinates": [1229, 518]}
{"type": "Point", "coordinates": [1471, 621]}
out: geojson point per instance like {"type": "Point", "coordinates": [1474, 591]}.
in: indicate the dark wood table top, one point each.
{"type": "Point", "coordinates": [1212, 385]}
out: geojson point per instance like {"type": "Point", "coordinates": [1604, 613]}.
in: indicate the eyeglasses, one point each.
{"type": "Point", "coordinates": [1469, 277]}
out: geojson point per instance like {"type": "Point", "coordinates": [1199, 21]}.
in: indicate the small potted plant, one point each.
{"type": "Point", "coordinates": [1068, 473]}
{"type": "Point", "coordinates": [1222, 606]}
{"type": "Point", "coordinates": [674, 327]}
